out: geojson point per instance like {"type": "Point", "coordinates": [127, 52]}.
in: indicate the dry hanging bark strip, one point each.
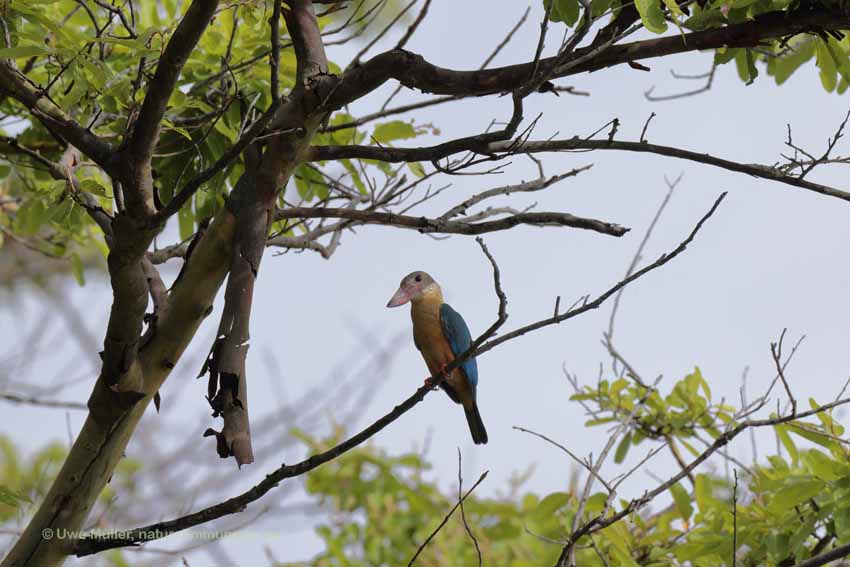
{"type": "Point", "coordinates": [228, 386]}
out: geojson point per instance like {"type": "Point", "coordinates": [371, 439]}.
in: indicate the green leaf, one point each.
{"type": "Point", "coordinates": [794, 493]}
{"type": "Point", "coordinates": [77, 269]}
{"type": "Point", "coordinates": [552, 503]}
{"type": "Point", "coordinates": [823, 467]}
{"type": "Point", "coordinates": [392, 131]}
{"type": "Point", "coordinates": [810, 432]}
{"type": "Point", "coordinates": [725, 55]}
{"type": "Point", "coordinates": [703, 492]}
{"type": "Point", "coordinates": [781, 68]}
{"type": "Point", "coordinates": [416, 168]}
{"type": "Point", "coordinates": [596, 503]}
{"type": "Point", "coordinates": [787, 442]}
{"type": "Point", "coordinates": [310, 183]}
{"type": "Point", "coordinates": [12, 498]}
{"type": "Point", "coordinates": [675, 18]}
{"type": "Point", "coordinates": [839, 58]}
{"type": "Point", "coordinates": [32, 215]}
{"type": "Point", "coordinates": [94, 187]}
{"type": "Point", "coordinates": [623, 448]}
{"type": "Point", "coordinates": [599, 7]}
{"type": "Point", "coordinates": [745, 62]}
{"type": "Point", "coordinates": [704, 19]}
{"type": "Point", "coordinates": [682, 500]}
{"type": "Point", "coordinates": [566, 11]}
{"type": "Point", "coordinates": [826, 64]}
{"type": "Point", "coordinates": [186, 221]}
{"type": "Point", "coordinates": [651, 15]}
{"type": "Point", "coordinates": [23, 51]}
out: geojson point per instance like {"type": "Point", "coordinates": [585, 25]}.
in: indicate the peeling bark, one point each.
{"type": "Point", "coordinates": [228, 385]}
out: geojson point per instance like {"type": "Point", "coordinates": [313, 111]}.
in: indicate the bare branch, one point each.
{"type": "Point", "coordinates": [708, 77]}
{"type": "Point", "coordinates": [776, 352]}
{"type": "Point", "coordinates": [414, 26]}
{"type": "Point", "coordinates": [637, 258]}
{"type": "Point", "coordinates": [498, 49]}
{"type": "Point", "coordinates": [581, 462]}
{"type": "Point", "coordinates": [36, 401]}
{"type": "Point", "coordinates": [416, 73]}
{"type": "Point", "coordinates": [529, 186]}
{"type": "Point", "coordinates": [460, 498]}
{"type": "Point", "coordinates": [439, 152]}
{"type": "Point", "coordinates": [589, 306]}
{"type": "Point", "coordinates": [274, 63]}
{"type": "Point", "coordinates": [446, 519]}
{"type": "Point", "coordinates": [426, 225]}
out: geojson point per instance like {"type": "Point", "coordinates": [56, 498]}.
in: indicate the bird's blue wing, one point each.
{"type": "Point", "coordinates": [457, 333]}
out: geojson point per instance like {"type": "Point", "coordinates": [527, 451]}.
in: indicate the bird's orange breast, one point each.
{"type": "Point", "coordinates": [435, 348]}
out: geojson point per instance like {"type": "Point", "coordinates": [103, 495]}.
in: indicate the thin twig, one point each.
{"type": "Point", "coordinates": [735, 520]}
{"type": "Point", "coordinates": [274, 23]}
{"type": "Point", "coordinates": [462, 511]}
{"type": "Point", "coordinates": [35, 401]}
{"type": "Point", "coordinates": [414, 26]}
{"type": "Point", "coordinates": [776, 351]}
{"type": "Point", "coordinates": [671, 187]}
{"type": "Point", "coordinates": [446, 519]}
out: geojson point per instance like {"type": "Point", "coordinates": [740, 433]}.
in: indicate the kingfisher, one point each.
{"type": "Point", "coordinates": [441, 334]}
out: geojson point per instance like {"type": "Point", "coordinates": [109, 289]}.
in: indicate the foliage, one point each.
{"type": "Point", "coordinates": [781, 58]}
{"type": "Point", "coordinates": [384, 506]}
{"type": "Point", "coordinates": [98, 80]}
{"type": "Point", "coordinates": [25, 480]}
{"type": "Point", "coordinates": [789, 507]}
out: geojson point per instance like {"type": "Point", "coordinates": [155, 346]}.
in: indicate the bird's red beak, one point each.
{"type": "Point", "coordinates": [399, 298]}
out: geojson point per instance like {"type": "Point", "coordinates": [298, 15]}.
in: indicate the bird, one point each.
{"type": "Point", "coordinates": [440, 334]}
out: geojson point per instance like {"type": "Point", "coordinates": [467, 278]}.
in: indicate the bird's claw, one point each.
{"type": "Point", "coordinates": [444, 375]}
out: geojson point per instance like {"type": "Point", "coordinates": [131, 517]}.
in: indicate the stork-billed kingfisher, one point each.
{"type": "Point", "coordinates": [441, 334]}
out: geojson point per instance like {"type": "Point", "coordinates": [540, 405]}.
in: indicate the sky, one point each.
{"type": "Point", "coordinates": [772, 257]}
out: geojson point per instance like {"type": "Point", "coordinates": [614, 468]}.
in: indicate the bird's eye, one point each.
{"type": "Point", "coordinates": [418, 278]}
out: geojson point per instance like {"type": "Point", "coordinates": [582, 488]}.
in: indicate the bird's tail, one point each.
{"type": "Point", "coordinates": [476, 425]}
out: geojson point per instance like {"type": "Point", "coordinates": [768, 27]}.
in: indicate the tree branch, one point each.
{"type": "Point", "coordinates": [414, 72]}
{"type": "Point", "coordinates": [458, 504]}
{"type": "Point", "coordinates": [827, 557]}
{"type": "Point", "coordinates": [13, 83]}
{"type": "Point", "coordinates": [35, 401]}
{"type": "Point", "coordinates": [585, 306]}
{"type": "Point", "coordinates": [432, 153]}
{"type": "Point", "coordinates": [180, 46]}
{"type": "Point", "coordinates": [426, 225]}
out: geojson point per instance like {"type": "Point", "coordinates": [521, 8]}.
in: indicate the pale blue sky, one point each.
{"type": "Point", "coordinates": [772, 257]}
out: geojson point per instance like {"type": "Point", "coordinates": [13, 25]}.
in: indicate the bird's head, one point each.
{"type": "Point", "coordinates": [413, 287]}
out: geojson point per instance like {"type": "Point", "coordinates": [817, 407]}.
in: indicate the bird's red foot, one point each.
{"type": "Point", "coordinates": [445, 375]}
